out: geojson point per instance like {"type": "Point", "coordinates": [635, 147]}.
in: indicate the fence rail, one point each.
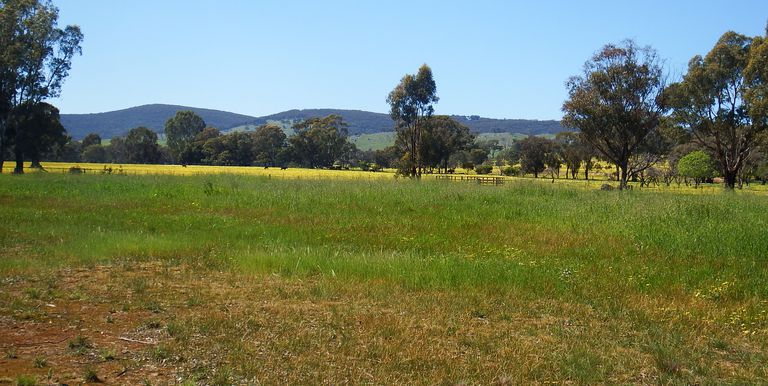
{"type": "Point", "coordinates": [480, 180]}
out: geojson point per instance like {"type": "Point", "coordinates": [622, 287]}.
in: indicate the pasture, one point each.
{"type": "Point", "coordinates": [240, 279]}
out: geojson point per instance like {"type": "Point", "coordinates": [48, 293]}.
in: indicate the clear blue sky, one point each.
{"type": "Point", "coordinates": [499, 59]}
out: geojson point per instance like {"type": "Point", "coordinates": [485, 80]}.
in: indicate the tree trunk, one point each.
{"type": "Point", "coordinates": [624, 175]}
{"type": "Point", "coordinates": [19, 169]}
{"type": "Point", "coordinates": [586, 174]}
{"type": "Point", "coordinates": [2, 143]}
{"type": "Point", "coordinates": [730, 179]}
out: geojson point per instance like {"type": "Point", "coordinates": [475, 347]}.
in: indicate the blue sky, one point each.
{"type": "Point", "coordinates": [499, 59]}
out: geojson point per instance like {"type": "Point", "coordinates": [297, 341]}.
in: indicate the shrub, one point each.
{"type": "Point", "coordinates": [483, 169]}
{"type": "Point", "coordinates": [76, 170]}
{"type": "Point", "coordinates": [510, 170]}
{"type": "Point", "coordinates": [696, 165]}
{"type": "Point", "coordinates": [26, 380]}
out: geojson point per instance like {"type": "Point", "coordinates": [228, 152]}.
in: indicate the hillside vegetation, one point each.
{"type": "Point", "coordinates": [117, 123]}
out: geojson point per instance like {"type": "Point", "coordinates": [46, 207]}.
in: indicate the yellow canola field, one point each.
{"type": "Point", "coordinates": [190, 170]}
{"type": "Point", "coordinates": [388, 174]}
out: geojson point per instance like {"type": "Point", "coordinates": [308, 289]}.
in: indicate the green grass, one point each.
{"type": "Point", "coordinates": [374, 141]}
{"type": "Point", "coordinates": [424, 235]}
{"type": "Point", "coordinates": [605, 282]}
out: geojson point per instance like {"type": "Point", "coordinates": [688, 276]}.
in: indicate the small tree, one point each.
{"type": "Point", "coordinates": [697, 166]}
{"type": "Point", "coordinates": [535, 153]}
{"type": "Point", "coordinates": [269, 143]}
{"type": "Point", "coordinates": [181, 130]}
{"type": "Point", "coordinates": [141, 146]}
{"type": "Point", "coordinates": [91, 139]}
{"type": "Point", "coordinates": [410, 104]}
{"type": "Point", "coordinates": [36, 130]}
{"type": "Point", "coordinates": [319, 142]}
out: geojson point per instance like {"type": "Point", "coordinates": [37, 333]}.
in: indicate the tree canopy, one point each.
{"type": "Point", "coordinates": [35, 57]}
{"type": "Point", "coordinates": [723, 100]}
{"type": "Point", "coordinates": [410, 104]}
{"type": "Point", "coordinates": [615, 102]}
{"type": "Point", "coordinates": [181, 130]}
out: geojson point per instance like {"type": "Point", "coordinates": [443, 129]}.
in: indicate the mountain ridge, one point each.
{"type": "Point", "coordinates": [153, 116]}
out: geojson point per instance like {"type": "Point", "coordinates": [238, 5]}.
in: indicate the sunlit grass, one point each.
{"type": "Point", "coordinates": [539, 282]}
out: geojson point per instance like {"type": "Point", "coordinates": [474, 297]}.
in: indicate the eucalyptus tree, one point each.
{"type": "Point", "coordinates": [443, 136]}
{"type": "Point", "coordinates": [180, 132]}
{"type": "Point", "coordinates": [269, 142]}
{"type": "Point", "coordinates": [616, 102]}
{"type": "Point", "coordinates": [411, 103]}
{"type": "Point", "coordinates": [35, 58]}
{"type": "Point", "coordinates": [723, 101]}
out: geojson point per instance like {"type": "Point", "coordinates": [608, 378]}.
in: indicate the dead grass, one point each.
{"type": "Point", "coordinates": [223, 328]}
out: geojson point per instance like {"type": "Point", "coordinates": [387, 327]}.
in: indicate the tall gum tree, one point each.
{"type": "Point", "coordinates": [723, 101]}
{"type": "Point", "coordinates": [616, 102]}
{"type": "Point", "coordinates": [35, 58]}
{"type": "Point", "coordinates": [411, 103]}
{"type": "Point", "coordinates": [180, 131]}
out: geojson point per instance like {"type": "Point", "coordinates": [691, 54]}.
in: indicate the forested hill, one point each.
{"type": "Point", "coordinates": [114, 123]}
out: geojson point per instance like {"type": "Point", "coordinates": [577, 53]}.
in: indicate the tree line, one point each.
{"type": "Point", "coordinates": [626, 113]}
{"type": "Point", "coordinates": [621, 108]}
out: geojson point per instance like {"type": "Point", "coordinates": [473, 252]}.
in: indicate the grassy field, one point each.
{"type": "Point", "coordinates": [375, 141]}
{"type": "Point", "coordinates": [222, 279]}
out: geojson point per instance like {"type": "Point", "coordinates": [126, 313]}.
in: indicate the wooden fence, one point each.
{"type": "Point", "coordinates": [480, 180]}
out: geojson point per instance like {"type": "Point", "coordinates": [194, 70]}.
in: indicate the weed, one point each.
{"type": "Point", "coordinates": [79, 344]}
{"type": "Point", "coordinates": [153, 324]}
{"type": "Point", "coordinates": [10, 353]}
{"type": "Point", "coordinates": [161, 353]}
{"type": "Point", "coordinates": [33, 293]}
{"type": "Point", "coordinates": [26, 380]}
{"type": "Point", "coordinates": [90, 375]}
{"type": "Point", "coordinates": [108, 356]}
{"type": "Point", "coordinates": [40, 362]}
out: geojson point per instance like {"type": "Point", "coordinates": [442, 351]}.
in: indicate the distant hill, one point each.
{"type": "Point", "coordinates": [115, 123]}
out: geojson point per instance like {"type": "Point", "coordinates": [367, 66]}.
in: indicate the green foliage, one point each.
{"type": "Point", "coordinates": [26, 380]}
{"type": "Point", "coordinates": [721, 101]}
{"type": "Point", "coordinates": [35, 129]}
{"type": "Point", "coordinates": [484, 169]}
{"type": "Point", "coordinates": [181, 130]}
{"type": "Point", "coordinates": [441, 138]}
{"type": "Point", "coordinates": [90, 375]}
{"type": "Point", "coordinates": [141, 146]}
{"type": "Point", "coordinates": [35, 59]}
{"type": "Point", "coordinates": [269, 143]}
{"type": "Point", "coordinates": [535, 152]}
{"type": "Point", "coordinates": [95, 154]}
{"type": "Point", "coordinates": [320, 142]}
{"type": "Point", "coordinates": [696, 165]}
{"type": "Point", "coordinates": [510, 170]}
{"type": "Point", "coordinates": [91, 139]}
{"type": "Point", "coordinates": [410, 105]}
{"type": "Point", "coordinates": [614, 102]}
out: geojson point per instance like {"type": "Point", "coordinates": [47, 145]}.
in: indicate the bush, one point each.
{"type": "Point", "coordinates": [76, 170]}
{"type": "Point", "coordinates": [510, 170]}
{"type": "Point", "coordinates": [483, 169]}
{"type": "Point", "coordinates": [696, 165]}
